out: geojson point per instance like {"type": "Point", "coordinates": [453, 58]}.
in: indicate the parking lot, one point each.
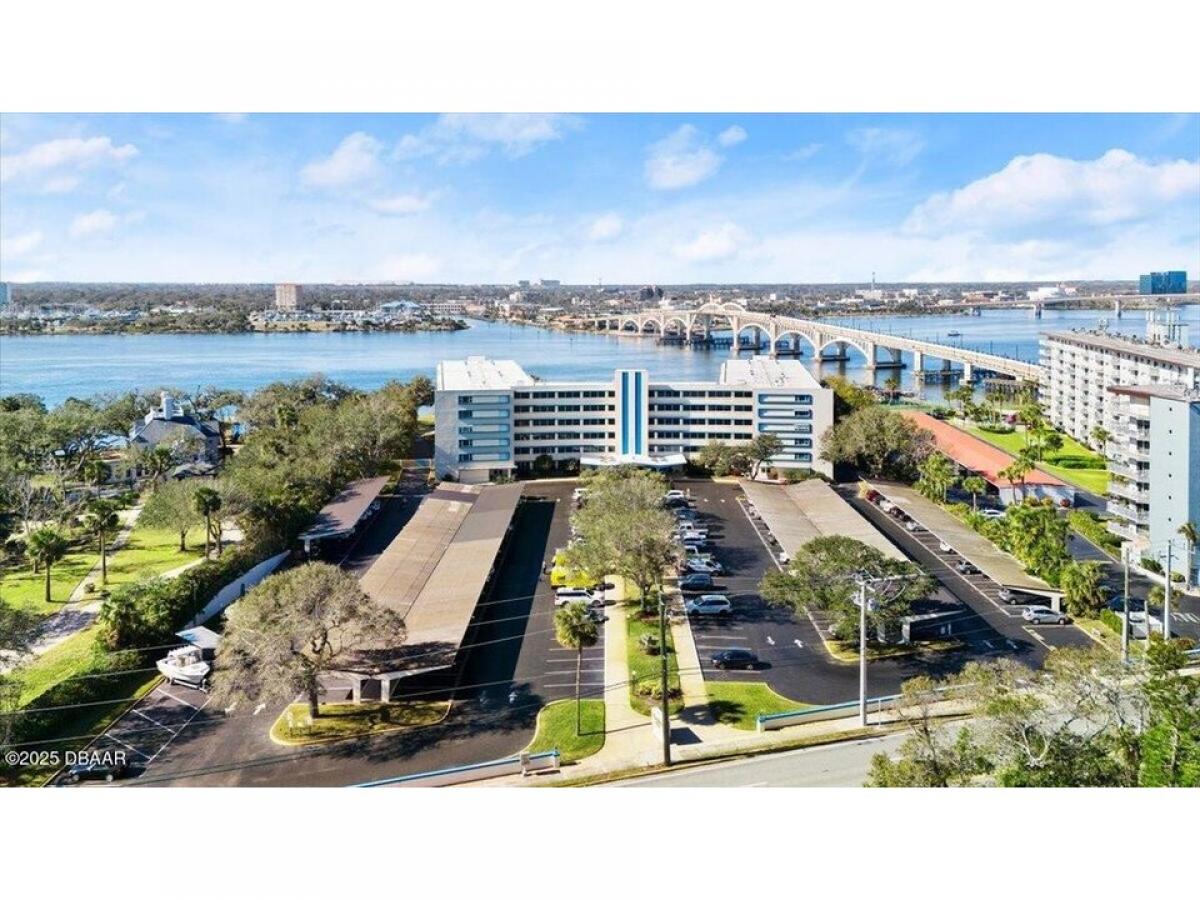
{"type": "Point", "coordinates": [151, 725]}
{"type": "Point", "coordinates": [980, 593]}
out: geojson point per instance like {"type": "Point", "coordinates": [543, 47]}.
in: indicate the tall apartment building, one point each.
{"type": "Point", "coordinates": [287, 297]}
{"type": "Point", "coordinates": [493, 419]}
{"type": "Point", "coordinates": [1174, 282]}
{"type": "Point", "coordinates": [1154, 467]}
{"type": "Point", "coordinates": [1081, 366]}
{"type": "Point", "coordinates": [5, 294]}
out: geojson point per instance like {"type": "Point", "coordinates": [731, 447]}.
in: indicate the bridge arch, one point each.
{"type": "Point", "coordinates": [651, 326]}
{"type": "Point", "coordinates": [849, 342]}
{"type": "Point", "coordinates": [630, 325]}
{"type": "Point", "coordinates": [677, 320]}
{"type": "Point", "coordinates": [794, 337]}
{"type": "Point", "coordinates": [754, 326]}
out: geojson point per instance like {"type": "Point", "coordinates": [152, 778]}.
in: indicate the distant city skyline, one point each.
{"type": "Point", "coordinates": [671, 199]}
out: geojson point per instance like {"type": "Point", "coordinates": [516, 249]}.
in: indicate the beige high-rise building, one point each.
{"type": "Point", "coordinates": [287, 297]}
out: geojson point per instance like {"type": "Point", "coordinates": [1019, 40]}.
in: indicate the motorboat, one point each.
{"type": "Point", "coordinates": [185, 665]}
{"type": "Point", "coordinates": [953, 334]}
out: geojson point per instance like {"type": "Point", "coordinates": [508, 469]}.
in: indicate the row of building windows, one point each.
{"type": "Point", "coordinates": [566, 407]}
{"type": "Point", "coordinates": [568, 436]}
{"type": "Point", "coordinates": [785, 398]}
{"type": "Point", "coordinates": [677, 421]}
{"type": "Point", "coordinates": [482, 457]}
{"type": "Point", "coordinates": [542, 423]}
{"type": "Point", "coordinates": [483, 442]}
{"type": "Point", "coordinates": [671, 392]}
{"type": "Point", "coordinates": [482, 399]}
{"type": "Point", "coordinates": [711, 407]}
{"type": "Point", "coordinates": [483, 414]}
{"type": "Point", "coordinates": [559, 450]}
{"type": "Point", "coordinates": [697, 435]}
{"type": "Point", "coordinates": [554, 395]}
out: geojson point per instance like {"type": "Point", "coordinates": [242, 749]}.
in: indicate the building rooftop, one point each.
{"type": "Point", "coordinates": [340, 515]}
{"type": "Point", "coordinates": [1167, 391]}
{"type": "Point", "coordinates": [480, 373]}
{"type": "Point", "coordinates": [764, 372]}
{"type": "Point", "coordinates": [1178, 356]}
{"type": "Point", "coordinates": [972, 453]}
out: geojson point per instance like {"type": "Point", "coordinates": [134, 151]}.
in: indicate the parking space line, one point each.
{"type": "Point", "coordinates": [129, 747]}
{"type": "Point", "coordinates": [167, 693]}
{"type": "Point", "coordinates": [177, 733]}
{"type": "Point", "coordinates": [138, 712]}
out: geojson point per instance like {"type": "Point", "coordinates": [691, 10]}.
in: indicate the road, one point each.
{"type": "Point", "coordinates": [833, 765]}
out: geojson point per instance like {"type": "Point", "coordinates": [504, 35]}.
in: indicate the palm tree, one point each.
{"type": "Point", "coordinates": [208, 503]}
{"type": "Point", "coordinates": [102, 520]}
{"type": "Point", "coordinates": [1101, 436]}
{"type": "Point", "coordinates": [976, 485]}
{"type": "Point", "coordinates": [95, 472]}
{"type": "Point", "coordinates": [1016, 471]}
{"type": "Point", "coordinates": [576, 629]}
{"type": "Point", "coordinates": [893, 388]}
{"type": "Point", "coordinates": [1083, 587]}
{"type": "Point", "coordinates": [1191, 534]}
{"type": "Point", "coordinates": [46, 547]}
{"type": "Point", "coordinates": [159, 461]}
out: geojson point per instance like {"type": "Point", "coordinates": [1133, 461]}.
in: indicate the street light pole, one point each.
{"type": "Point", "coordinates": [862, 653]}
{"type": "Point", "coordinates": [1125, 618]}
{"type": "Point", "coordinates": [666, 700]}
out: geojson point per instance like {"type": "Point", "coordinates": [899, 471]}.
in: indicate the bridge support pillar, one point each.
{"type": "Point", "coordinates": [968, 374]}
{"type": "Point", "coordinates": [872, 357]}
{"type": "Point", "coordinates": [918, 364]}
{"type": "Point", "coordinates": [1117, 308]}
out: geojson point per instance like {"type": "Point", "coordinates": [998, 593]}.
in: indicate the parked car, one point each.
{"type": "Point", "coordinates": [674, 495]}
{"type": "Point", "coordinates": [695, 552]}
{"type": "Point", "coordinates": [945, 548]}
{"type": "Point", "coordinates": [886, 505]}
{"type": "Point", "coordinates": [1043, 615]}
{"type": "Point", "coordinates": [965, 567]}
{"type": "Point", "coordinates": [575, 595]}
{"type": "Point", "coordinates": [1136, 604]}
{"type": "Point", "coordinates": [1013, 598]}
{"type": "Point", "coordinates": [708, 605]}
{"type": "Point", "coordinates": [689, 534]}
{"type": "Point", "coordinates": [992, 513]}
{"type": "Point", "coordinates": [873, 496]}
{"type": "Point", "coordinates": [703, 566]}
{"type": "Point", "coordinates": [693, 541]}
{"type": "Point", "coordinates": [734, 658]}
{"type": "Point", "coordinates": [96, 770]}
{"type": "Point", "coordinates": [696, 582]}
{"type": "Point", "coordinates": [912, 525]}
{"type": "Point", "coordinates": [579, 494]}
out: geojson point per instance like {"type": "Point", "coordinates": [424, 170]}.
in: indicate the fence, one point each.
{"type": "Point", "coordinates": [236, 588]}
{"type": "Point", "coordinates": [523, 763]}
{"type": "Point", "coordinates": [775, 721]}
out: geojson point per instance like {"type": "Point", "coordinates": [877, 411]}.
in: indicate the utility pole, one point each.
{"type": "Point", "coordinates": [1125, 618]}
{"type": "Point", "coordinates": [862, 653]}
{"type": "Point", "coordinates": [666, 681]}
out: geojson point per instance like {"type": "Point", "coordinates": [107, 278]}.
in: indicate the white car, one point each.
{"type": "Point", "coordinates": [992, 513]}
{"type": "Point", "coordinates": [690, 535]}
{"type": "Point", "coordinates": [709, 605]}
{"type": "Point", "coordinates": [674, 495]}
{"type": "Point", "coordinates": [707, 566]}
{"type": "Point", "coordinates": [563, 596]}
{"type": "Point", "coordinates": [578, 494]}
{"type": "Point", "coordinates": [945, 548]}
{"type": "Point", "coordinates": [1043, 615]}
{"type": "Point", "coordinates": [913, 525]}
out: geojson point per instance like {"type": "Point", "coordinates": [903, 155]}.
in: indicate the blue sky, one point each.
{"type": "Point", "coordinates": [623, 198]}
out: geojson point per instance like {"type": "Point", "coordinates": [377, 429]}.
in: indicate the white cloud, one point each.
{"type": "Point", "coordinates": [20, 244]}
{"type": "Point", "coordinates": [714, 244]}
{"type": "Point", "coordinates": [734, 134]}
{"type": "Point", "coordinates": [61, 184]}
{"type": "Point", "coordinates": [90, 224]}
{"type": "Point", "coordinates": [463, 137]}
{"type": "Point", "coordinates": [800, 154]}
{"type": "Point", "coordinates": [418, 267]}
{"type": "Point", "coordinates": [355, 159]}
{"type": "Point", "coordinates": [606, 227]}
{"type": "Point", "coordinates": [894, 146]}
{"type": "Point", "coordinates": [402, 204]}
{"type": "Point", "coordinates": [1031, 190]}
{"type": "Point", "coordinates": [76, 152]}
{"type": "Point", "coordinates": [680, 160]}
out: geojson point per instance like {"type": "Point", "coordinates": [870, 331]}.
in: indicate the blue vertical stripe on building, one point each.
{"type": "Point", "coordinates": [637, 421]}
{"type": "Point", "coordinates": [624, 413]}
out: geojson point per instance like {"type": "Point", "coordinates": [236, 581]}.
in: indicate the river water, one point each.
{"type": "Point", "coordinates": [60, 366]}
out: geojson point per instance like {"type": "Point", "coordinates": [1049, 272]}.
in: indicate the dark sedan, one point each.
{"type": "Point", "coordinates": [734, 658]}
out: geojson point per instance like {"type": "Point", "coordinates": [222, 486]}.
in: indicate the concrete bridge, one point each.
{"type": "Point", "coordinates": [783, 335]}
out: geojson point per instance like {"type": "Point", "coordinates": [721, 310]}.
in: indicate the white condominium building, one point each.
{"type": "Point", "coordinates": [1080, 366]}
{"type": "Point", "coordinates": [1154, 467]}
{"type": "Point", "coordinates": [494, 419]}
{"type": "Point", "coordinates": [287, 297]}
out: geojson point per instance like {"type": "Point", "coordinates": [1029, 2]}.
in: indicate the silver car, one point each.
{"type": "Point", "coordinates": [1043, 615]}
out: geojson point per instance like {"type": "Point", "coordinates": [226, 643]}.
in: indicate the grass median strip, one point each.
{"type": "Point", "coordinates": [645, 669]}
{"type": "Point", "coordinates": [739, 703]}
{"type": "Point", "coordinates": [556, 730]}
{"type": "Point", "coordinates": [342, 721]}
{"type": "Point", "coordinates": [848, 652]}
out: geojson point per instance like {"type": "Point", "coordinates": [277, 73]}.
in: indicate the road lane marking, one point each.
{"type": "Point", "coordinates": [799, 643]}
{"type": "Point", "coordinates": [770, 640]}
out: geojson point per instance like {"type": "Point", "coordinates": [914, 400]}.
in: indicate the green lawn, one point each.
{"type": "Point", "coordinates": [848, 652]}
{"type": "Point", "coordinates": [556, 730]}
{"type": "Point", "coordinates": [739, 703]}
{"type": "Point", "coordinates": [1093, 480]}
{"type": "Point", "coordinates": [339, 721]}
{"type": "Point", "coordinates": [72, 656]}
{"type": "Point", "coordinates": [149, 551]}
{"type": "Point", "coordinates": [645, 669]}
